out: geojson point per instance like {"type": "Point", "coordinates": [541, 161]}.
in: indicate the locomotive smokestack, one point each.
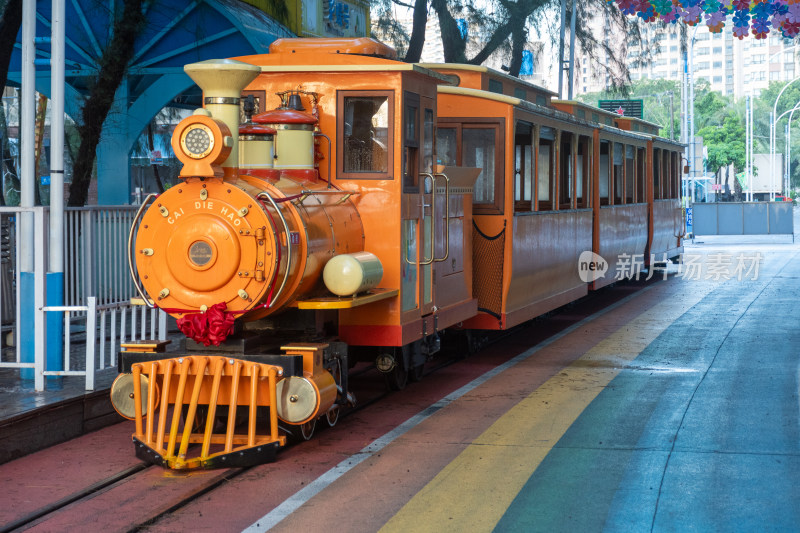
{"type": "Point", "coordinates": [222, 82]}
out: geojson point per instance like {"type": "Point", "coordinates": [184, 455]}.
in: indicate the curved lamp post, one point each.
{"type": "Point", "coordinates": [772, 140]}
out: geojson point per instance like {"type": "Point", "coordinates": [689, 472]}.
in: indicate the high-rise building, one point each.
{"type": "Point", "coordinates": [731, 66]}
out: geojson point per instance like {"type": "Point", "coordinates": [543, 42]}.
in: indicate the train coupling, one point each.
{"type": "Point", "coordinates": [176, 403]}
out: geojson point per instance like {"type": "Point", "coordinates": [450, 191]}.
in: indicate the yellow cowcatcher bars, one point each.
{"type": "Point", "coordinates": [215, 381]}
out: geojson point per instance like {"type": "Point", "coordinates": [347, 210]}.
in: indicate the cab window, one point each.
{"type": "Point", "coordinates": [366, 130]}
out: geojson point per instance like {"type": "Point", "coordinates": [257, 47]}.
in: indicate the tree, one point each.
{"type": "Point", "coordinates": [10, 23]}
{"type": "Point", "coordinates": [113, 65]}
{"type": "Point", "coordinates": [710, 107]}
{"type": "Point", "coordinates": [724, 143]}
{"type": "Point", "coordinates": [472, 31]}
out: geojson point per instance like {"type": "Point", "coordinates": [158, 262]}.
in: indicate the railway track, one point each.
{"type": "Point", "coordinates": [140, 495]}
{"type": "Point", "coordinates": [132, 478]}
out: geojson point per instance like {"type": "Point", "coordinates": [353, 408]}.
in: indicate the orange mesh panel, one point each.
{"type": "Point", "coordinates": [488, 254]}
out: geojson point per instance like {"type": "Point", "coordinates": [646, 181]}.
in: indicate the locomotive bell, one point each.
{"type": "Point", "coordinates": [222, 82]}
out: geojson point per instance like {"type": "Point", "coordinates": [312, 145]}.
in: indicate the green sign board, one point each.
{"type": "Point", "coordinates": [623, 108]}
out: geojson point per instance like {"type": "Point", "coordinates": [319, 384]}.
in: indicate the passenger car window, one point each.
{"type": "Point", "coordinates": [475, 144]}
{"type": "Point", "coordinates": [479, 151]}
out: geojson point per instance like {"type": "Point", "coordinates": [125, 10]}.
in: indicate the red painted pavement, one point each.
{"type": "Point", "coordinates": [37, 480]}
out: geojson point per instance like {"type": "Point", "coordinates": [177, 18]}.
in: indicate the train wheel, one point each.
{"type": "Point", "coordinates": [332, 416]}
{"type": "Point", "coordinates": [306, 430]}
{"type": "Point", "coordinates": [417, 373]}
{"type": "Point", "coordinates": [467, 344]}
{"type": "Point", "coordinates": [397, 378]}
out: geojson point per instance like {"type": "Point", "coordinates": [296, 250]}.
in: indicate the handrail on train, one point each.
{"type": "Point", "coordinates": [134, 274]}
{"type": "Point", "coordinates": [446, 215]}
{"type": "Point", "coordinates": [288, 246]}
{"type": "Point", "coordinates": [433, 257]}
{"type": "Point", "coordinates": [426, 176]}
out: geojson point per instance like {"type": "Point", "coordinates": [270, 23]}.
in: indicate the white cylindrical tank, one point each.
{"type": "Point", "coordinates": [294, 141]}
{"type": "Point", "coordinates": [256, 150]}
{"type": "Point", "coordinates": [349, 274]}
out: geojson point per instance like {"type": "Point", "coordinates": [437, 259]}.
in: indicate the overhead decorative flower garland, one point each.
{"type": "Point", "coordinates": [756, 17]}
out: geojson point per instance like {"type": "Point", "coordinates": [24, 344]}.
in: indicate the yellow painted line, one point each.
{"type": "Point", "coordinates": [474, 491]}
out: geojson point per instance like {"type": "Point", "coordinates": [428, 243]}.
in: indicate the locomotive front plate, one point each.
{"type": "Point", "coordinates": [215, 244]}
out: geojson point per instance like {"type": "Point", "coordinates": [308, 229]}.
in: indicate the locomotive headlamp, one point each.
{"type": "Point", "coordinates": [197, 141]}
{"type": "Point", "coordinates": [201, 143]}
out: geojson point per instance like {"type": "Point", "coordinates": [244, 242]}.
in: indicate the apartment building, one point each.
{"type": "Point", "coordinates": [732, 66]}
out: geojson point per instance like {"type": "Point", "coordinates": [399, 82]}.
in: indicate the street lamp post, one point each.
{"type": "Point", "coordinates": [772, 140]}
{"type": "Point", "coordinates": [787, 173]}
{"type": "Point", "coordinates": [689, 109]}
{"type": "Point", "coordinates": [789, 112]}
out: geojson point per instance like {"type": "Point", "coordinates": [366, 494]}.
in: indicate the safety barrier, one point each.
{"type": "Point", "coordinates": [104, 329]}
{"type": "Point", "coordinates": [95, 238]}
{"type": "Point", "coordinates": [743, 218]}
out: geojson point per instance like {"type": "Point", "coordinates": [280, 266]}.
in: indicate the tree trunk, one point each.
{"type": "Point", "coordinates": [113, 65]}
{"type": "Point", "coordinates": [519, 36]}
{"type": "Point", "coordinates": [10, 24]}
{"type": "Point", "coordinates": [414, 51]}
{"type": "Point", "coordinates": [453, 43]}
{"type": "Point", "coordinates": [151, 145]}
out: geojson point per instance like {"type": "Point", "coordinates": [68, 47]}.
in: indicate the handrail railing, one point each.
{"type": "Point", "coordinates": [433, 218]}
{"type": "Point", "coordinates": [131, 234]}
{"type": "Point", "coordinates": [288, 234]}
{"type": "Point", "coordinates": [446, 215]}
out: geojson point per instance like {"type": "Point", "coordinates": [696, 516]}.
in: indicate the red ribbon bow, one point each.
{"type": "Point", "coordinates": [210, 327]}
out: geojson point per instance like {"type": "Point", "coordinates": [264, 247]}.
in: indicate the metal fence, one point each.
{"type": "Point", "coordinates": [98, 316]}
{"type": "Point", "coordinates": [102, 329]}
{"type": "Point", "coordinates": [95, 241]}
{"type": "Point", "coordinates": [743, 218]}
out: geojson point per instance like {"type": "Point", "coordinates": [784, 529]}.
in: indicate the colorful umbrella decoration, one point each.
{"type": "Point", "coordinates": [757, 17]}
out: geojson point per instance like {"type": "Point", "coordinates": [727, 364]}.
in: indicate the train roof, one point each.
{"type": "Point", "coordinates": [335, 55]}
{"type": "Point", "coordinates": [363, 46]}
{"type": "Point", "coordinates": [488, 79]}
{"type": "Point", "coordinates": [602, 116]}
{"type": "Point", "coordinates": [551, 112]}
{"type": "Point", "coordinates": [586, 111]}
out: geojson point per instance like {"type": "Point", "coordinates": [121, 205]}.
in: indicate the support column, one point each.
{"type": "Point", "coordinates": [27, 121]}
{"type": "Point", "coordinates": [55, 271]}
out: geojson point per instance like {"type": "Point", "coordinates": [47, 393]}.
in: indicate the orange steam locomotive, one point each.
{"type": "Point", "coordinates": [337, 205]}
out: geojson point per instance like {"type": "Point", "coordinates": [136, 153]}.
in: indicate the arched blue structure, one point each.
{"type": "Point", "coordinates": [176, 33]}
